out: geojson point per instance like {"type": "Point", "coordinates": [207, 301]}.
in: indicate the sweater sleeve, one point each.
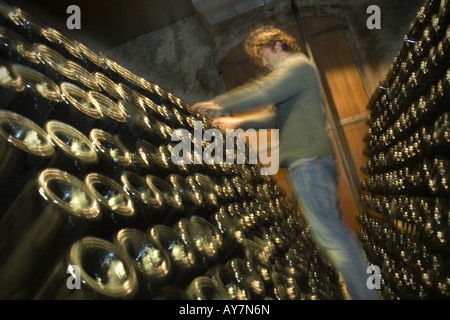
{"type": "Point", "coordinates": [260, 120]}
{"type": "Point", "coordinates": [284, 82]}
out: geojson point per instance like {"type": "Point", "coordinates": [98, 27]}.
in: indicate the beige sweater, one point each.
{"type": "Point", "coordinates": [293, 87]}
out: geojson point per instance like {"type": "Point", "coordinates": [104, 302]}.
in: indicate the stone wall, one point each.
{"type": "Point", "coordinates": [183, 57]}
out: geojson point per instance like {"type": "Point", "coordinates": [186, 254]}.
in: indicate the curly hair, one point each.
{"type": "Point", "coordinates": [266, 37]}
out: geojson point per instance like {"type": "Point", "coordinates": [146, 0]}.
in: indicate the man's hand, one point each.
{"type": "Point", "coordinates": [224, 123]}
{"type": "Point", "coordinates": [208, 108]}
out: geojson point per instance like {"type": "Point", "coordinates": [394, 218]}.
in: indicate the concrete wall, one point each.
{"type": "Point", "coordinates": [183, 57]}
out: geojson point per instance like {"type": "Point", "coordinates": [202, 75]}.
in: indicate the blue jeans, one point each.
{"type": "Point", "coordinates": [315, 181]}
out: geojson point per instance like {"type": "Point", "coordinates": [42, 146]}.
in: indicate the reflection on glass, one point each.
{"type": "Point", "coordinates": [105, 272]}
{"type": "Point", "coordinates": [203, 236]}
{"type": "Point", "coordinates": [152, 263]}
{"type": "Point", "coordinates": [204, 288]}
{"type": "Point", "coordinates": [181, 253]}
{"type": "Point", "coordinates": [226, 278]}
{"type": "Point", "coordinates": [75, 151]}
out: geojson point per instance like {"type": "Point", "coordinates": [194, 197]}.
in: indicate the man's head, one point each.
{"type": "Point", "coordinates": [266, 44]}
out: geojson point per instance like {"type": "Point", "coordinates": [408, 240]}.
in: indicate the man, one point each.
{"type": "Point", "coordinates": [292, 86]}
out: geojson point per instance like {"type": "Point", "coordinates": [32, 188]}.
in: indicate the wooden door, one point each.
{"type": "Point", "coordinates": [335, 60]}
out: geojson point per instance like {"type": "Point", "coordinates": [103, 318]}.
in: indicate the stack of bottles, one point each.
{"type": "Point", "coordinates": [93, 207]}
{"type": "Point", "coordinates": [406, 191]}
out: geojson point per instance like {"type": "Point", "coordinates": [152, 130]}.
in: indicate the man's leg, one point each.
{"type": "Point", "coordinates": [315, 184]}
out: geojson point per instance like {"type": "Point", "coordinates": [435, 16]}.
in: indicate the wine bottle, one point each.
{"type": "Point", "coordinates": [151, 262]}
{"type": "Point", "coordinates": [52, 211]}
{"type": "Point", "coordinates": [25, 149]}
{"type": "Point", "coordinates": [92, 269]}
{"type": "Point", "coordinates": [74, 151]}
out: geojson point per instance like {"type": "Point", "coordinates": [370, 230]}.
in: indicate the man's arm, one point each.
{"type": "Point", "coordinates": [258, 120]}
{"type": "Point", "coordinates": [286, 81]}
{"type": "Point", "coordinates": [208, 108]}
